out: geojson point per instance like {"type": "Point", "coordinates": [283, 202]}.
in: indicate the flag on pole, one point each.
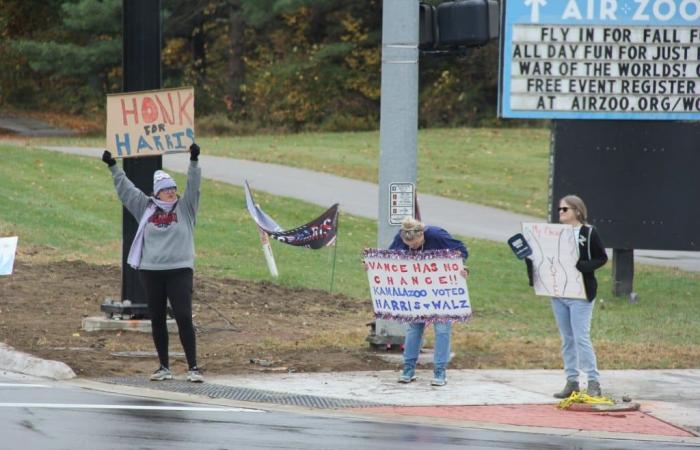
{"type": "Point", "coordinates": [318, 233]}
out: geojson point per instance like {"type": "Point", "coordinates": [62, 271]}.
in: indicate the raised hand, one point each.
{"type": "Point", "coordinates": [194, 152]}
{"type": "Point", "coordinates": [107, 158]}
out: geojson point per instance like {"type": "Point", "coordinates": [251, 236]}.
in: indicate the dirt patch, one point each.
{"type": "Point", "coordinates": [42, 306]}
{"type": "Point", "coordinates": [43, 302]}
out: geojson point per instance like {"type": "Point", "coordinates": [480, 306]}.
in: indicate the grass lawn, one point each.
{"type": "Point", "coordinates": [505, 168]}
{"type": "Point", "coordinates": [64, 207]}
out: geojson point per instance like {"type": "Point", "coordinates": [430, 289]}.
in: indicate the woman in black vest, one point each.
{"type": "Point", "coordinates": [573, 316]}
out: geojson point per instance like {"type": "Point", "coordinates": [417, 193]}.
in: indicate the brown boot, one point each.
{"type": "Point", "coordinates": [571, 387]}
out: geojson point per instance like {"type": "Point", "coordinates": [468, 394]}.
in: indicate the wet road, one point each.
{"type": "Point", "coordinates": [38, 415]}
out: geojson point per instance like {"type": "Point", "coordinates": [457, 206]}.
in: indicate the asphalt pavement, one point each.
{"type": "Point", "coordinates": [37, 414]}
{"type": "Point", "coordinates": [506, 400]}
{"type": "Point", "coordinates": [23, 126]}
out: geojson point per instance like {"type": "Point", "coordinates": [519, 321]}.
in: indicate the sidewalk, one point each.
{"type": "Point", "coordinates": [23, 126]}
{"type": "Point", "coordinates": [669, 399]}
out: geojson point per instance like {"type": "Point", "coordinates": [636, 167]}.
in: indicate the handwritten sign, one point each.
{"type": "Point", "coordinates": [554, 257]}
{"type": "Point", "coordinates": [601, 59]}
{"type": "Point", "coordinates": [8, 247]}
{"type": "Point", "coordinates": [417, 286]}
{"type": "Point", "coordinates": [149, 123]}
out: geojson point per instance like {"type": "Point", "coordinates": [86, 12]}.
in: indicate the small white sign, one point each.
{"type": "Point", "coordinates": [8, 247]}
{"type": "Point", "coordinates": [401, 202]}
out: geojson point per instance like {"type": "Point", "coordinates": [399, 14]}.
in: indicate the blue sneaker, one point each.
{"type": "Point", "coordinates": [408, 375]}
{"type": "Point", "coordinates": [439, 378]}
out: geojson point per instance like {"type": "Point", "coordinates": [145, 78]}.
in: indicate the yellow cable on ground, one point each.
{"type": "Point", "coordinates": [580, 397]}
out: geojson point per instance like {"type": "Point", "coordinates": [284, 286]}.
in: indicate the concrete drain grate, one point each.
{"type": "Point", "coordinates": [243, 394]}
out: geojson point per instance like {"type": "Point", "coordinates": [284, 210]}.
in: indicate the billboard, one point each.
{"type": "Point", "coordinates": [600, 59]}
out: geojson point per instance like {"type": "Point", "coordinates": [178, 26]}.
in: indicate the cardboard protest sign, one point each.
{"type": "Point", "coordinates": [417, 286]}
{"type": "Point", "coordinates": [554, 257]}
{"type": "Point", "coordinates": [149, 123]}
{"type": "Point", "coordinates": [8, 247]}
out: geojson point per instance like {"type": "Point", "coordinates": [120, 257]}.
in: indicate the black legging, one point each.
{"type": "Point", "coordinates": [176, 285]}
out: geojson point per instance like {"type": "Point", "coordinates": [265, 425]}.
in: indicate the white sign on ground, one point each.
{"type": "Point", "coordinates": [149, 123]}
{"type": "Point", "coordinates": [601, 59]}
{"type": "Point", "coordinates": [417, 286]}
{"type": "Point", "coordinates": [554, 257]}
{"type": "Point", "coordinates": [8, 247]}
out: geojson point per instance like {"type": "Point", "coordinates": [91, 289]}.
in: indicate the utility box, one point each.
{"type": "Point", "coordinates": [427, 19]}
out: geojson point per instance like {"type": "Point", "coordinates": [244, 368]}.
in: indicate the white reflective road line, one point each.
{"type": "Point", "coordinates": [23, 385]}
{"type": "Point", "coordinates": [137, 407]}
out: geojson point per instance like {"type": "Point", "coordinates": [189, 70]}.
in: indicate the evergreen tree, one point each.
{"type": "Point", "coordinates": [81, 53]}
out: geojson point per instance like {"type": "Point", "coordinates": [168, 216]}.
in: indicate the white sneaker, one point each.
{"type": "Point", "coordinates": [195, 376]}
{"type": "Point", "coordinates": [163, 373]}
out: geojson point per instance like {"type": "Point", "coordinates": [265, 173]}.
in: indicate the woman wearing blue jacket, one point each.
{"type": "Point", "coordinates": [416, 236]}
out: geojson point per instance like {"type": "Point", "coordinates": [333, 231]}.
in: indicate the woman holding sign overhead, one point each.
{"type": "Point", "coordinates": [573, 316]}
{"type": "Point", "coordinates": [416, 236]}
{"type": "Point", "coordinates": [163, 253]}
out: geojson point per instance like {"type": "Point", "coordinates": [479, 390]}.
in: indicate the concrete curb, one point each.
{"type": "Point", "coordinates": [15, 361]}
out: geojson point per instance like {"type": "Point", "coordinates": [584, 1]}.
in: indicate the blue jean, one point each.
{"type": "Point", "coordinates": [574, 321]}
{"type": "Point", "coordinates": [414, 340]}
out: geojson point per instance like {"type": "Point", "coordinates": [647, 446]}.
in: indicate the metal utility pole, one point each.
{"type": "Point", "coordinates": [141, 71]}
{"type": "Point", "coordinates": [398, 131]}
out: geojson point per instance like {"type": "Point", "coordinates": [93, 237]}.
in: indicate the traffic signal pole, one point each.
{"type": "Point", "coordinates": [398, 128]}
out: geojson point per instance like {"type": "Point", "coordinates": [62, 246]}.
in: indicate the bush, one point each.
{"type": "Point", "coordinates": [346, 122]}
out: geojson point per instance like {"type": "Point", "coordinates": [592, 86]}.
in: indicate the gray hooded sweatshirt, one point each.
{"type": "Point", "coordinates": [168, 241]}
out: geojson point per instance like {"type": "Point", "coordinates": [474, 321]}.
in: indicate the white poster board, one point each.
{"type": "Point", "coordinates": [149, 123]}
{"type": "Point", "coordinates": [8, 247]}
{"type": "Point", "coordinates": [417, 286]}
{"type": "Point", "coordinates": [554, 257]}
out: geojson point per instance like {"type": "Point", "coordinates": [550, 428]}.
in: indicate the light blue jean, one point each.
{"type": "Point", "coordinates": [414, 340]}
{"type": "Point", "coordinates": [574, 321]}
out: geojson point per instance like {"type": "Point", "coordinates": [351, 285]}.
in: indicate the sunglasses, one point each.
{"type": "Point", "coordinates": [564, 208]}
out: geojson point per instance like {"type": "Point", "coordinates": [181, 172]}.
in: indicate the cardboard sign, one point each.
{"type": "Point", "coordinates": [554, 257]}
{"type": "Point", "coordinates": [149, 123]}
{"type": "Point", "coordinates": [8, 247]}
{"type": "Point", "coordinates": [417, 286]}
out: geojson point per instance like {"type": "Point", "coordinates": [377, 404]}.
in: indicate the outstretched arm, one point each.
{"type": "Point", "coordinates": [131, 197]}
{"type": "Point", "coordinates": [190, 199]}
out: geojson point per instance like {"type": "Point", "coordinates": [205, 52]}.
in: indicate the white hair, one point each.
{"type": "Point", "coordinates": [411, 228]}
